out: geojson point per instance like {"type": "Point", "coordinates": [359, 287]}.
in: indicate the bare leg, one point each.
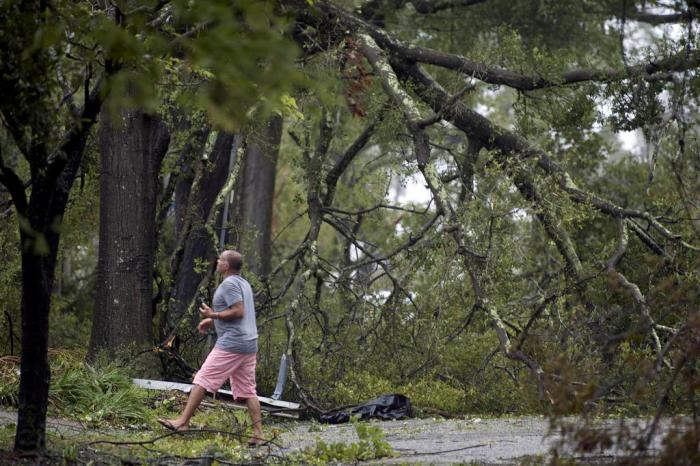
{"type": "Point", "coordinates": [195, 398]}
{"type": "Point", "coordinates": [255, 414]}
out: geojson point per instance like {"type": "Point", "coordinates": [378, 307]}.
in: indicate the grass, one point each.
{"type": "Point", "coordinates": [119, 419]}
{"type": "Point", "coordinates": [9, 380]}
{"type": "Point", "coordinates": [95, 395]}
{"type": "Point", "coordinates": [137, 447]}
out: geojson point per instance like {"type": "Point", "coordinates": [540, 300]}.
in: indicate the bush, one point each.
{"type": "Point", "coordinates": [9, 380]}
{"type": "Point", "coordinates": [468, 378]}
{"type": "Point", "coordinates": [79, 391]}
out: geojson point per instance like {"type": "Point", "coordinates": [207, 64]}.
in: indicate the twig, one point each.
{"type": "Point", "coordinates": [153, 440]}
{"type": "Point", "coordinates": [439, 452]}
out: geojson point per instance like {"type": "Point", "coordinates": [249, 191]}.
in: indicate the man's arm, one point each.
{"type": "Point", "coordinates": [236, 311]}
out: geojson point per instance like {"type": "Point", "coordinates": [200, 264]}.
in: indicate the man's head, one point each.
{"type": "Point", "coordinates": [229, 263]}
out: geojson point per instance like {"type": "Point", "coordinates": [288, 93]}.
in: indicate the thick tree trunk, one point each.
{"type": "Point", "coordinates": [132, 151]}
{"type": "Point", "coordinates": [253, 219]}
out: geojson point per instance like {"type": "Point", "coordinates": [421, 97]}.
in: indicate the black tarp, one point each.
{"type": "Point", "coordinates": [387, 407]}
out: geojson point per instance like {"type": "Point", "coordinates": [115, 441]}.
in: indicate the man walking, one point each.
{"type": "Point", "coordinates": [234, 355]}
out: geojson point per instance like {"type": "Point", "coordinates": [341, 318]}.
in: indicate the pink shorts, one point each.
{"type": "Point", "coordinates": [221, 365]}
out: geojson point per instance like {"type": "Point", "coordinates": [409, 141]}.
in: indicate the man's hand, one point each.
{"type": "Point", "coordinates": [236, 311]}
{"type": "Point", "coordinates": [205, 325]}
{"type": "Point", "coordinates": [206, 311]}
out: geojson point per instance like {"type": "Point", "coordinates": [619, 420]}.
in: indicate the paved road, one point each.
{"type": "Point", "coordinates": [437, 441]}
{"type": "Point", "coordinates": [425, 441]}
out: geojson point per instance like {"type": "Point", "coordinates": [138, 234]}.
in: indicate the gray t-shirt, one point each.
{"type": "Point", "coordinates": [237, 335]}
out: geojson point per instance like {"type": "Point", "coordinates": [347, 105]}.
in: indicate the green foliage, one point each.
{"type": "Point", "coordinates": [636, 106]}
{"type": "Point", "coordinates": [125, 444]}
{"type": "Point", "coordinates": [371, 446]}
{"type": "Point", "coordinates": [10, 288]}
{"type": "Point", "coordinates": [73, 292]}
{"type": "Point", "coordinates": [93, 395]}
{"type": "Point", "coordinates": [469, 388]}
{"type": "Point", "coordinates": [9, 376]}
{"type": "Point", "coordinates": [408, 322]}
{"type": "Point", "coordinates": [69, 330]}
{"type": "Point", "coordinates": [241, 52]}
{"type": "Point", "coordinates": [7, 433]}
{"type": "Point", "coordinates": [358, 387]}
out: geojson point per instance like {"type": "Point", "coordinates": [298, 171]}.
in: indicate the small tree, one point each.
{"type": "Point", "coordinates": [57, 64]}
{"type": "Point", "coordinates": [32, 79]}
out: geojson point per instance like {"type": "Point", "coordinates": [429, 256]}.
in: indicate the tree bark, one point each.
{"type": "Point", "coordinates": [35, 373]}
{"type": "Point", "coordinates": [191, 154]}
{"type": "Point", "coordinates": [197, 242]}
{"type": "Point", "coordinates": [253, 217]}
{"type": "Point", "coordinates": [42, 215]}
{"type": "Point", "coordinates": [132, 151]}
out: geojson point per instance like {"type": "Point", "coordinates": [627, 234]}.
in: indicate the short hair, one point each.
{"type": "Point", "coordinates": [234, 259]}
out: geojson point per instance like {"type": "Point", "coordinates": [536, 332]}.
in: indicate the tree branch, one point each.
{"type": "Point", "coordinates": [343, 161]}
{"type": "Point", "coordinates": [658, 19]}
{"type": "Point", "coordinates": [426, 7]}
{"type": "Point", "coordinates": [401, 50]}
{"type": "Point", "coordinates": [75, 137]}
{"type": "Point", "coordinates": [391, 85]}
{"type": "Point", "coordinates": [632, 288]}
{"type": "Point", "coordinates": [15, 187]}
{"type": "Point", "coordinates": [373, 208]}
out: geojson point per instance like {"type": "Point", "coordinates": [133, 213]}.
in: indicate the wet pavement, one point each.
{"type": "Point", "coordinates": [438, 441]}
{"type": "Point", "coordinates": [474, 440]}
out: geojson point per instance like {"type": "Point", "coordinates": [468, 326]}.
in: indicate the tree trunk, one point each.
{"type": "Point", "coordinates": [39, 239]}
{"type": "Point", "coordinates": [197, 242]}
{"type": "Point", "coordinates": [40, 242]}
{"type": "Point", "coordinates": [132, 151]}
{"type": "Point", "coordinates": [191, 154]}
{"type": "Point", "coordinates": [35, 373]}
{"type": "Point", "coordinates": [253, 219]}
